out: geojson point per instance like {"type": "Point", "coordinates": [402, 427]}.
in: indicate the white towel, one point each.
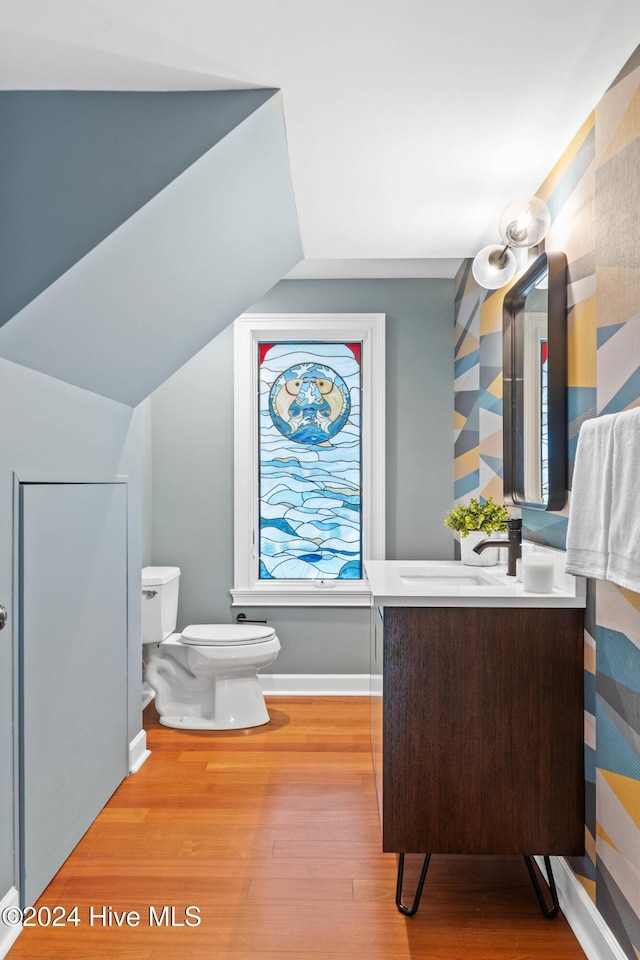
{"type": "Point", "coordinates": [624, 530]}
{"type": "Point", "coordinates": [589, 516]}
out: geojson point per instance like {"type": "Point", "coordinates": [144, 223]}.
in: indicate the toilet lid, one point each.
{"type": "Point", "coordinates": [155, 576]}
{"type": "Point", "coordinates": [211, 634]}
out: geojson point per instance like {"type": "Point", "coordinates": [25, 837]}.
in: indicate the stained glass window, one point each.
{"type": "Point", "coordinates": [310, 461]}
{"type": "Point", "coordinates": [309, 457]}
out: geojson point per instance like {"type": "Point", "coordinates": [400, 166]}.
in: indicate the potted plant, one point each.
{"type": "Point", "coordinates": [474, 522]}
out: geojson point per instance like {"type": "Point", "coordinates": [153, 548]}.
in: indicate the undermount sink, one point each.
{"type": "Point", "coordinates": [445, 577]}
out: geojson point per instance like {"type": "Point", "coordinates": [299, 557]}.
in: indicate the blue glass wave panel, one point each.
{"type": "Point", "coordinates": [310, 452]}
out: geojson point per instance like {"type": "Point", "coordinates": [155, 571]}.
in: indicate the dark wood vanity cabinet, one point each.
{"type": "Point", "coordinates": [481, 741]}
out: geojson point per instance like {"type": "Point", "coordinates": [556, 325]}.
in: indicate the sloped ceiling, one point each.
{"type": "Point", "coordinates": [140, 226]}
{"type": "Point", "coordinates": [410, 124]}
{"type": "Point", "coordinates": [76, 165]}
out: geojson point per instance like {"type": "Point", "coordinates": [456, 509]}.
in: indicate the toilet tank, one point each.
{"type": "Point", "coordinates": [159, 602]}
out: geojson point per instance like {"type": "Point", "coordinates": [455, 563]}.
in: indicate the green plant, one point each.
{"type": "Point", "coordinates": [489, 517]}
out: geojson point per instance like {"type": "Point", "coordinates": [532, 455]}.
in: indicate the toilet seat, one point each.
{"type": "Point", "coordinates": [226, 634]}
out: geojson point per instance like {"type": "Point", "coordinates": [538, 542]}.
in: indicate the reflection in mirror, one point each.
{"type": "Point", "coordinates": [535, 386]}
{"type": "Point", "coordinates": [532, 404]}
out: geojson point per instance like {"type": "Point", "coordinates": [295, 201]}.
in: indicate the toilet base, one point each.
{"type": "Point", "coordinates": [199, 723]}
{"type": "Point", "coordinates": [223, 695]}
{"type": "Point", "coordinates": [234, 703]}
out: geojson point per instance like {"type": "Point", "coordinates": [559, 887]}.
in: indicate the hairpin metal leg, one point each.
{"type": "Point", "coordinates": [410, 911]}
{"type": "Point", "coordinates": [547, 912]}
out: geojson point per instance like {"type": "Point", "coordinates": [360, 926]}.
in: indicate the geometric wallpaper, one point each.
{"type": "Point", "coordinates": [617, 612]}
{"type": "Point", "coordinates": [593, 193]}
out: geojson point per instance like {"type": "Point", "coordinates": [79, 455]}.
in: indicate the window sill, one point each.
{"type": "Point", "coordinates": [325, 593]}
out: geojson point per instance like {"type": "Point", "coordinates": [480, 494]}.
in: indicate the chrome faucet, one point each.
{"type": "Point", "coordinates": [513, 542]}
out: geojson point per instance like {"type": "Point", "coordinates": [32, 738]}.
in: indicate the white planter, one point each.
{"type": "Point", "coordinates": [488, 558]}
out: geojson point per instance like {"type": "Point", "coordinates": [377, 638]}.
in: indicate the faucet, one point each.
{"type": "Point", "coordinates": [513, 541]}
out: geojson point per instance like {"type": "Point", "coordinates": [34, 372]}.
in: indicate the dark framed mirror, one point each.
{"type": "Point", "coordinates": [535, 386]}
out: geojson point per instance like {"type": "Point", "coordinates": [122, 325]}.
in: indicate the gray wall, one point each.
{"type": "Point", "coordinates": [143, 412]}
{"type": "Point", "coordinates": [190, 474]}
{"type": "Point", "coordinates": [59, 432]}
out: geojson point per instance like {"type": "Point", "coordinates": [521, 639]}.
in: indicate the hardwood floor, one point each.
{"type": "Point", "coordinates": [272, 833]}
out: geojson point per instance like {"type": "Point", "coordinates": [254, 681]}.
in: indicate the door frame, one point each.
{"type": "Point", "coordinates": [24, 478]}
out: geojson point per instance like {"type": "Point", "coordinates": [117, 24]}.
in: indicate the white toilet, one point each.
{"type": "Point", "coordinates": [206, 677]}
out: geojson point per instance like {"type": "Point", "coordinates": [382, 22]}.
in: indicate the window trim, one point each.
{"type": "Point", "coordinates": [249, 330]}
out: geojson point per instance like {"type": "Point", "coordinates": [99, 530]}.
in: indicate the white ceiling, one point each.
{"type": "Point", "coordinates": [410, 122]}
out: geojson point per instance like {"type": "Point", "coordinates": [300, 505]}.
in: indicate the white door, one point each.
{"type": "Point", "coordinates": [73, 667]}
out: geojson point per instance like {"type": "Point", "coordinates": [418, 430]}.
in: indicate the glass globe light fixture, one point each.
{"type": "Point", "coordinates": [524, 222]}
{"type": "Point", "coordinates": [494, 266]}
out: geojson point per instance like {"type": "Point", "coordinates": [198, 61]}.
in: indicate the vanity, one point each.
{"type": "Point", "coordinates": [477, 713]}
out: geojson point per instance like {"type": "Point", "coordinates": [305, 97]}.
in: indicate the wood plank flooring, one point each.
{"type": "Point", "coordinates": [272, 833]}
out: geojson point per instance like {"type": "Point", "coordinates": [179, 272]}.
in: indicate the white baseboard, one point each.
{"type": "Point", "coordinates": [138, 752]}
{"type": "Point", "coordinates": [9, 933]}
{"type": "Point", "coordinates": [315, 684]}
{"type": "Point", "coordinates": [587, 923]}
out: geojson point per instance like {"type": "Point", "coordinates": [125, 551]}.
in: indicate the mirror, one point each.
{"type": "Point", "coordinates": [534, 386]}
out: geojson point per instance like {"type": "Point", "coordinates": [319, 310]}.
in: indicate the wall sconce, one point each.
{"type": "Point", "coordinates": [523, 223]}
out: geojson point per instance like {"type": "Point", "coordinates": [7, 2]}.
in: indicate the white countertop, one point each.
{"type": "Point", "coordinates": [415, 583]}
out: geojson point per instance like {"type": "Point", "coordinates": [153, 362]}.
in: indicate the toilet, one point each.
{"type": "Point", "coordinates": [205, 678]}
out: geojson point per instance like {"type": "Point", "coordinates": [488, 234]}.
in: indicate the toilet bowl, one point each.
{"type": "Point", "coordinates": [204, 678]}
